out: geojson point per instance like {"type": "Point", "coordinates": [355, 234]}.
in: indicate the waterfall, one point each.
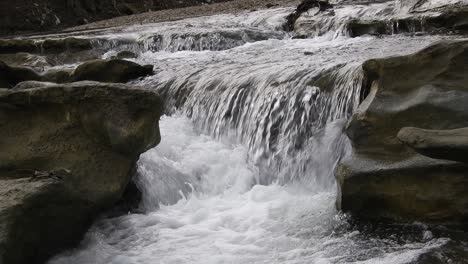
{"type": "Point", "coordinates": [252, 135]}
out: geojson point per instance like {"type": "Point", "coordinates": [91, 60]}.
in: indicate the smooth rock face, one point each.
{"type": "Point", "coordinates": [67, 154]}
{"type": "Point", "coordinates": [116, 71]}
{"type": "Point", "coordinates": [439, 144]}
{"type": "Point", "coordinates": [384, 178]}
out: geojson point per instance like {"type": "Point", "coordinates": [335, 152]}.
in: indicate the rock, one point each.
{"type": "Point", "coordinates": [118, 71]}
{"type": "Point", "coordinates": [17, 45]}
{"type": "Point", "coordinates": [439, 144]}
{"type": "Point", "coordinates": [125, 55]}
{"type": "Point", "coordinates": [66, 44]}
{"type": "Point", "coordinates": [10, 76]}
{"type": "Point", "coordinates": [374, 27]}
{"type": "Point", "coordinates": [303, 7]}
{"type": "Point", "coordinates": [383, 178]}
{"type": "Point", "coordinates": [448, 20]}
{"type": "Point", "coordinates": [68, 152]}
{"type": "Point", "coordinates": [58, 76]}
{"type": "Point", "coordinates": [44, 46]}
{"type": "Point", "coordinates": [27, 60]}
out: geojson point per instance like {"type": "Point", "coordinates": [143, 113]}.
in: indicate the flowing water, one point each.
{"type": "Point", "coordinates": [252, 135]}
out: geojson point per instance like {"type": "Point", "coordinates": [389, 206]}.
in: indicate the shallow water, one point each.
{"type": "Point", "coordinates": [244, 172]}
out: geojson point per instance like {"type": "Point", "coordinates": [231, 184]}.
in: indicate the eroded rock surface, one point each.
{"type": "Point", "coordinates": [68, 152]}
{"type": "Point", "coordinates": [384, 178]}
{"type": "Point", "coordinates": [108, 71]}
{"type": "Point", "coordinates": [439, 144]}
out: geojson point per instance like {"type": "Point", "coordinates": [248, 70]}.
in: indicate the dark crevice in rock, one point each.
{"type": "Point", "coordinates": [303, 7]}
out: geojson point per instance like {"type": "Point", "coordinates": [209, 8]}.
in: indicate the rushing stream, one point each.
{"type": "Point", "coordinates": [244, 172]}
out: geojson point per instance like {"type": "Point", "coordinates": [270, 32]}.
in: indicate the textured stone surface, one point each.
{"type": "Point", "coordinates": [384, 177]}
{"type": "Point", "coordinates": [440, 144]}
{"type": "Point", "coordinates": [81, 142]}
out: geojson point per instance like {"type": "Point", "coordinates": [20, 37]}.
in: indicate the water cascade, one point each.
{"type": "Point", "coordinates": [253, 132]}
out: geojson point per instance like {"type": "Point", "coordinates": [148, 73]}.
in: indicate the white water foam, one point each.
{"type": "Point", "coordinates": [209, 198]}
{"type": "Point", "coordinates": [227, 218]}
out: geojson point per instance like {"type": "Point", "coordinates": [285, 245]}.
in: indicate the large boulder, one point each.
{"type": "Point", "coordinates": [116, 71]}
{"type": "Point", "coordinates": [385, 178]}
{"type": "Point", "coordinates": [67, 154]}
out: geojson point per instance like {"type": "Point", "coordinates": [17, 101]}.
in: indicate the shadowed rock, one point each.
{"type": "Point", "coordinates": [67, 154]}
{"type": "Point", "coordinates": [109, 71]}
{"type": "Point", "coordinates": [10, 76]}
{"type": "Point", "coordinates": [303, 7]}
{"type": "Point", "coordinates": [44, 46]}
{"type": "Point", "coordinates": [438, 144]}
{"type": "Point", "coordinates": [117, 71]}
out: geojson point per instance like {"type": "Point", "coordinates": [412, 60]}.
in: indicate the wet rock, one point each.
{"type": "Point", "coordinates": [375, 27]}
{"type": "Point", "coordinates": [448, 21]}
{"type": "Point", "coordinates": [117, 71]}
{"type": "Point", "coordinates": [109, 71]}
{"type": "Point", "coordinates": [125, 55]}
{"type": "Point", "coordinates": [66, 44]}
{"type": "Point", "coordinates": [303, 7]}
{"type": "Point", "coordinates": [44, 46]}
{"type": "Point", "coordinates": [17, 45]}
{"type": "Point", "coordinates": [67, 155]}
{"type": "Point", "coordinates": [58, 76]}
{"type": "Point", "coordinates": [10, 76]}
{"type": "Point", "coordinates": [384, 178]}
{"type": "Point", "coordinates": [439, 144]}
{"type": "Point", "coordinates": [27, 59]}
{"type": "Point", "coordinates": [452, 19]}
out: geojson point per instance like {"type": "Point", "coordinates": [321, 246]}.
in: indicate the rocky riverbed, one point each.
{"type": "Point", "coordinates": [339, 137]}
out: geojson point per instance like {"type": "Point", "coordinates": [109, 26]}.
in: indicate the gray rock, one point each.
{"type": "Point", "coordinates": [384, 178]}
{"type": "Point", "coordinates": [439, 144]}
{"type": "Point", "coordinates": [68, 152]}
{"type": "Point", "coordinates": [116, 71]}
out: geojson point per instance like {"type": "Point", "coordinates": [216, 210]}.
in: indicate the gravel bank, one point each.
{"type": "Point", "coordinates": [181, 13]}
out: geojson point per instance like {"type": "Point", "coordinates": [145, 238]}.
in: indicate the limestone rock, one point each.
{"type": "Point", "coordinates": [384, 178]}
{"type": "Point", "coordinates": [439, 144]}
{"type": "Point", "coordinates": [67, 154]}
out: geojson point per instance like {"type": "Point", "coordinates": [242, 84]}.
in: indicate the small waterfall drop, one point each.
{"type": "Point", "coordinates": [253, 132]}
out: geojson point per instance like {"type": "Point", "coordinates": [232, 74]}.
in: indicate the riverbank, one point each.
{"type": "Point", "coordinates": [231, 7]}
